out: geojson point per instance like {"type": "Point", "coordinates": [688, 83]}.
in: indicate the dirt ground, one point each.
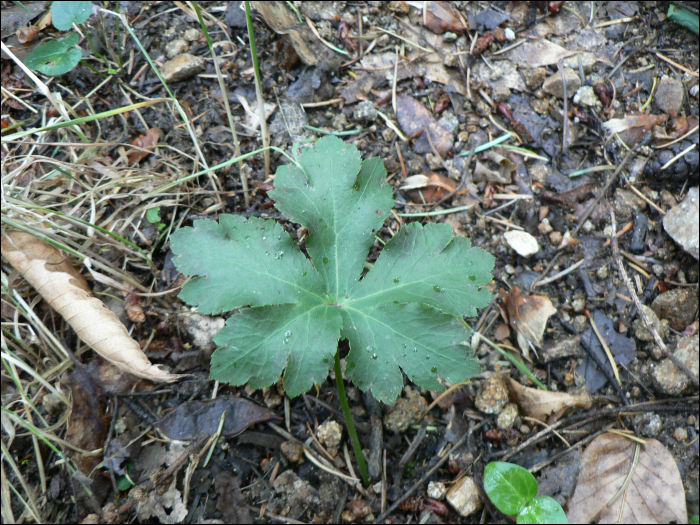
{"type": "Point", "coordinates": [612, 150]}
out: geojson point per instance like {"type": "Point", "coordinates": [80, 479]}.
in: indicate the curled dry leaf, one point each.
{"type": "Point", "coordinates": [433, 186]}
{"type": "Point", "coordinates": [633, 128]}
{"type": "Point", "coordinates": [440, 17]}
{"type": "Point", "coordinates": [528, 316]}
{"type": "Point", "coordinates": [67, 291]}
{"type": "Point", "coordinates": [147, 141]}
{"type": "Point", "coordinates": [540, 404]}
{"type": "Point", "coordinates": [414, 118]}
{"type": "Point", "coordinates": [653, 494]}
{"type": "Point", "coordinates": [27, 34]}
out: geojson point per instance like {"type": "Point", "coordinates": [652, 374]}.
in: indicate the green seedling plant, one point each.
{"type": "Point", "coordinates": [513, 490]}
{"type": "Point", "coordinates": [406, 313]}
{"type": "Point", "coordinates": [57, 57]}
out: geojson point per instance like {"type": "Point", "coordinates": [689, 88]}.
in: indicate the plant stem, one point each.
{"type": "Point", "coordinates": [349, 421]}
{"type": "Point", "coordinates": [258, 88]}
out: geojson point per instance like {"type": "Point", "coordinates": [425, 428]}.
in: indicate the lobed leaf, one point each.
{"type": "Point", "coordinates": [403, 315]}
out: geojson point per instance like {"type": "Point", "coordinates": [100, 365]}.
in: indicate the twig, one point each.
{"type": "Point", "coordinates": [657, 338]}
{"type": "Point", "coordinates": [426, 476]}
{"type": "Point", "coordinates": [565, 134]}
{"type": "Point", "coordinates": [559, 275]}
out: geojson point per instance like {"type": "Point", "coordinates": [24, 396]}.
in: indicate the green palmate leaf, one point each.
{"type": "Point", "coordinates": [401, 315]}
{"type": "Point", "coordinates": [65, 14]}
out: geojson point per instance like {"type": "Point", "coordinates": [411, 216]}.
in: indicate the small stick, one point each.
{"type": "Point", "coordinates": [657, 338]}
{"type": "Point", "coordinates": [565, 133]}
{"type": "Point", "coordinates": [613, 364]}
{"type": "Point", "coordinates": [560, 274]}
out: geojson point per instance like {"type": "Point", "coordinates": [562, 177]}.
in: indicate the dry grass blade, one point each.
{"type": "Point", "coordinates": [67, 291]}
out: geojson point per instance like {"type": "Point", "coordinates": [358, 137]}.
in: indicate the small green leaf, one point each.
{"type": "Point", "coordinates": [510, 487]}
{"type": "Point", "coordinates": [542, 509]}
{"type": "Point", "coordinates": [403, 315]}
{"type": "Point", "coordinates": [55, 57]}
{"type": "Point", "coordinates": [64, 14]}
{"type": "Point", "coordinates": [153, 215]}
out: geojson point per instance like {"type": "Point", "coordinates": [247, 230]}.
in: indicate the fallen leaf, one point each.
{"type": "Point", "coordinates": [440, 17]}
{"type": "Point", "coordinates": [195, 419]}
{"type": "Point", "coordinates": [230, 501]}
{"type": "Point", "coordinates": [528, 316]}
{"type": "Point", "coordinates": [433, 188]}
{"type": "Point", "coordinates": [633, 128]}
{"type": "Point", "coordinates": [540, 404]}
{"type": "Point", "coordinates": [538, 53]}
{"type": "Point", "coordinates": [147, 141]}
{"type": "Point", "coordinates": [414, 117]}
{"type": "Point", "coordinates": [66, 290]}
{"type": "Point", "coordinates": [654, 494]}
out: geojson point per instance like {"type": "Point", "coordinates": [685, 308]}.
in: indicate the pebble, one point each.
{"type": "Point", "coordinates": [365, 112]}
{"type": "Point", "coordinates": [291, 450]}
{"type": "Point", "coordinates": [667, 377]}
{"type": "Point", "coordinates": [545, 227]}
{"type": "Point", "coordinates": [555, 238]}
{"type": "Point", "coordinates": [588, 60]}
{"type": "Point", "coordinates": [329, 434]}
{"type": "Point", "coordinates": [492, 397]}
{"type": "Point", "coordinates": [669, 95]}
{"type": "Point", "coordinates": [175, 47]}
{"type": "Point", "coordinates": [534, 78]}
{"type": "Point", "coordinates": [202, 329]}
{"type": "Point", "coordinates": [191, 35]}
{"type": "Point", "coordinates": [627, 204]}
{"type": "Point", "coordinates": [449, 37]}
{"type": "Point", "coordinates": [464, 497]}
{"type": "Point", "coordinates": [554, 85]}
{"type": "Point", "coordinates": [436, 490]}
{"type": "Point", "coordinates": [406, 411]}
{"type": "Point", "coordinates": [681, 223]}
{"type": "Point", "coordinates": [449, 121]}
{"type": "Point", "coordinates": [586, 96]}
{"type": "Point", "coordinates": [506, 418]}
{"type": "Point", "coordinates": [580, 323]}
{"type": "Point", "coordinates": [677, 306]}
{"type": "Point", "coordinates": [640, 327]}
{"type": "Point", "coordinates": [680, 434]}
{"type": "Point", "coordinates": [182, 67]}
{"type": "Point", "coordinates": [649, 424]}
{"type": "Point", "coordinates": [602, 272]}
{"type": "Point", "coordinates": [579, 305]}
{"type": "Point", "coordinates": [522, 242]}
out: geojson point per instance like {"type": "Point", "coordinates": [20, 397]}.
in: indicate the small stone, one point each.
{"type": "Point", "coordinates": [434, 162]}
{"type": "Point", "coordinates": [602, 272]}
{"type": "Point", "coordinates": [681, 223]}
{"type": "Point", "coordinates": [449, 121]}
{"type": "Point", "coordinates": [540, 106]}
{"type": "Point", "coordinates": [330, 433]}
{"type": "Point", "coordinates": [406, 411]}
{"type": "Point", "coordinates": [555, 238]}
{"type": "Point", "coordinates": [588, 61]}
{"type": "Point", "coordinates": [365, 112]}
{"type": "Point", "coordinates": [509, 269]}
{"type": "Point", "coordinates": [579, 305]}
{"type": "Point", "coordinates": [522, 242]}
{"type": "Point", "coordinates": [339, 122]}
{"type": "Point", "coordinates": [202, 329]}
{"type": "Point", "coordinates": [176, 47]}
{"type": "Point", "coordinates": [554, 85]}
{"type": "Point", "coordinates": [192, 35]}
{"type": "Point", "coordinates": [534, 78]}
{"type": "Point", "coordinates": [586, 97]}
{"type": "Point", "coordinates": [483, 109]}
{"type": "Point", "coordinates": [450, 60]}
{"type": "Point", "coordinates": [640, 328]}
{"type": "Point", "coordinates": [649, 424]}
{"type": "Point", "coordinates": [627, 204]}
{"type": "Point", "coordinates": [464, 497]}
{"type": "Point", "coordinates": [680, 434]}
{"type": "Point", "coordinates": [492, 397]}
{"type": "Point", "coordinates": [545, 227]}
{"type": "Point", "coordinates": [500, 93]}
{"type": "Point", "coordinates": [579, 323]}
{"type": "Point", "coordinates": [667, 377]}
{"type": "Point", "coordinates": [449, 37]}
{"type": "Point", "coordinates": [182, 67]}
{"type": "Point", "coordinates": [669, 95]}
{"type": "Point", "coordinates": [679, 306]}
{"type": "Point", "coordinates": [291, 450]}
{"type": "Point", "coordinates": [436, 490]}
{"type": "Point", "coordinates": [507, 417]}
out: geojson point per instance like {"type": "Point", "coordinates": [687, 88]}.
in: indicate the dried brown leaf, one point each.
{"type": "Point", "coordinates": [440, 17]}
{"type": "Point", "coordinates": [414, 118]}
{"type": "Point", "coordinates": [147, 141]}
{"type": "Point", "coordinates": [540, 404]}
{"type": "Point", "coordinates": [528, 316]}
{"type": "Point", "coordinates": [654, 494]}
{"type": "Point", "coordinates": [67, 291]}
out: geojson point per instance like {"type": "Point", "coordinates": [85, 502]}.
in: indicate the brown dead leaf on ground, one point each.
{"type": "Point", "coordinates": [633, 128]}
{"type": "Point", "coordinates": [540, 404]}
{"type": "Point", "coordinates": [67, 291]}
{"type": "Point", "coordinates": [414, 118]}
{"type": "Point", "coordinates": [654, 493]}
{"type": "Point", "coordinates": [147, 141]}
{"type": "Point", "coordinates": [433, 187]}
{"type": "Point", "coordinates": [440, 17]}
{"type": "Point", "coordinates": [528, 316]}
